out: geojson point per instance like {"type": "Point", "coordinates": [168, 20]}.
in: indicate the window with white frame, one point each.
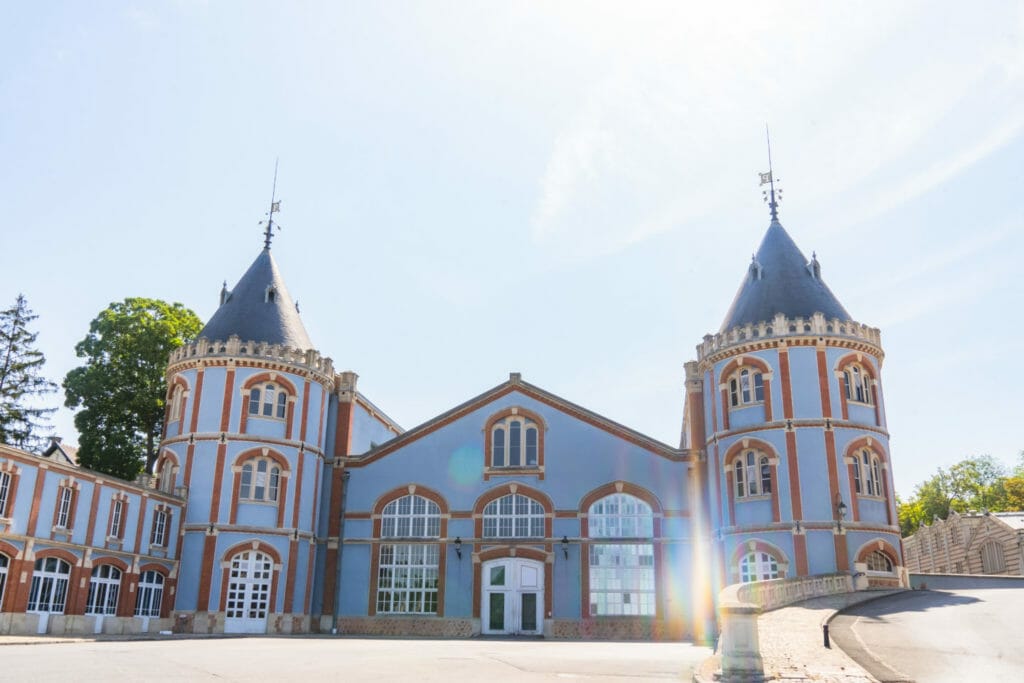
{"type": "Point", "coordinates": [857, 384]}
{"type": "Point", "coordinates": [879, 562]}
{"type": "Point", "coordinates": [116, 519]}
{"type": "Point", "coordinates": [104, 587]}
{"type": "Point", "coordinates": [166, 482]}
{"type": "Point", "coordinates": [407, 574]}
{"type": "Point", "coordinates": [621, 574]}
{"type": "Point", "coordinates": [759, 566]}
{"type": "Point", "coordinates": [515, 442]}
{"type": "Point", "coordinates": [4, 562]}
{"type": "Point", "coordinates": [514, 516]}
{"type": "Point", "coordinates": [49, 585]}
{"type": "Point", "coordinates": [992, 561]}
{"type": "Point", "coordinates": [260, 481]}
{"type": "Point", "coordinates": [177, 399]}
{"type": "Point", "coordinates": [150, 594]}
{"type": "Point", "coordinates": [158, 535]}
{"type": "Point", "coordinates": [746, 387]}
{"type": "Point", "coordinates": [66, 496]}
{"type": "Point", "coordinates": [752, 474]}
{"type": "Point", "coordinates": [5, 492]}
{"type": "Point", "coordinates": [268, 400]}
{"type": "Point", "coordinates": [867, 473]}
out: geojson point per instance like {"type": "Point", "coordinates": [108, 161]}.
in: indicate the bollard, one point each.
{"type": "Point", "coordinates": [824, 632]}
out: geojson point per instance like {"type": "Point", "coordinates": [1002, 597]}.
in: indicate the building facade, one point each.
{"type": "Point", "coordinates": [304, 507]}
{"type": "Point", "coordinates": [969, 543]}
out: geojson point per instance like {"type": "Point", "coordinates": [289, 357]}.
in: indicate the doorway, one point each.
{"type": "Point", "coordinates": [513, 597]}
{"type": "Point", "coordinates": [248, 599]}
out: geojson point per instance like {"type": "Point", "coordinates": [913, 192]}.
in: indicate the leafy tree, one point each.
{"type": "Point", "coordinates": [978, 483]}
{"type": "Point", "coordinates": [21, 423]}
{"type": "Point", "coordinates": [121, 388]}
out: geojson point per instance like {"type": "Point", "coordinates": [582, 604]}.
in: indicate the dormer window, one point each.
{"type": "Point", "coordinates": [267, 401]}
{"type": "Point", "coordinates": [271, 294]}
{"type": "Point", "coordinates": [514, 443]}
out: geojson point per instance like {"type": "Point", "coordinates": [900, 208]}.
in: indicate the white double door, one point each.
{"type": "Point", "coordinates": [248, 600]}
{"type": "Point", "coordinates": [513, 597]}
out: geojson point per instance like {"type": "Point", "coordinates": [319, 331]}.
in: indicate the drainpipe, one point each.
{"type": "Point", "coordinates": [337, 578]}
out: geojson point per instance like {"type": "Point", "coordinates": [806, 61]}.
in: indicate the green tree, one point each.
{"type": "Point", "coordinates": [21, 384]}
{"type": "Point", "coordinates": [121, 389]}
{"type": "Point", "coordinates": [978, 483]}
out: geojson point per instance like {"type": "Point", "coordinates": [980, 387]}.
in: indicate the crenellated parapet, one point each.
{"type": "Point", "coordinates": [768, 333]}
{"type": "Point", "coordinates": [307, 361]}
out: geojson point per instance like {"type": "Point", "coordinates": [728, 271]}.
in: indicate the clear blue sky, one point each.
{"type": "Point", "coordinates": [568, 190]}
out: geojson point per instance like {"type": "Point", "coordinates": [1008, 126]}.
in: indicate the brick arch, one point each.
{"type": "Point", "coordinates": [399, 492]}
{"type": "Point", "coordinates": [107, 559]}
{"type": "Point", "coordinates": [728, 473]}
{"type": "Point", "coordinates": [869, 442]}
{"type": "Point", "coordinates": [858, 358]}
{"type": "Point", "coordinates": [612, 488]}
{"type": "Point", "coordinates": [167, 600]}
{"type": "Point", "coordinates": [178, 380]}
{"type": "Point", "coordinates": [849, 454]}
{"type": "Point", "coordinates": [261, 546]}
{"type": "Point", "coordinates": [759, 546]}
{"type": "Point", "coordinates": [14, 568]}
{"type": "Point", "coordinates": [275, 575]}
{"type": "Point", "coordinates": [542, 556]}
{"type": "Point", "coordinates": [65, 555]}
{"type": "Point", "coordinates": [510, 411]}
{"type": "Point", "coordinates": [282, 481]}
{"type": "Point", "coordinates": [155, 567]}
{"type": "Point", "coordinates": [278, 379]}
{"type": "Point", "coordinates": [504, 490]}
{"type": "Point", "coordinates": [887, 549]}
{"type": "Point", "coordinates": [9, 550]}
{"type": "Point", "coordinates": [733, 366]}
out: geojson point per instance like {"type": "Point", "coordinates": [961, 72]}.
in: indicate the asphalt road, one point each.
{"type": "Point", "coordinates": [349, 659]}
{"type": "Point", "coordinates": [937, 636]}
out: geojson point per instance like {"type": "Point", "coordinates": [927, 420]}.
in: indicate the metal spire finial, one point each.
{"type": "Point", "coordinates": [769, 178]}
{"type": "Point", "coordinates": [275, 207]}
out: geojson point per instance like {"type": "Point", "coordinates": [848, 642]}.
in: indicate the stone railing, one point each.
{"type": "Point", "coordinates": [781, 326]}
{"type": "Point", "coordinates": [740, 604]}
{"type": "Point", "coordinates": [235, 347]}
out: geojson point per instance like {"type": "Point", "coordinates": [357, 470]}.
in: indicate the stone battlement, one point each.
{"type": "Point", "coordinates": [781, 326]}
{"type": "Point", "coordinates": [236, 348]}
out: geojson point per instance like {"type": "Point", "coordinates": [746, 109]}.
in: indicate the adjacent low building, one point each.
{"type": "Point", "coordinates": [969, 543]}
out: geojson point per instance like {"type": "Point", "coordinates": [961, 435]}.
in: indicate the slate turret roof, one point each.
{"type": "Point", "coordinates": [781, 280]}
{"type": "Point", "coordinates": [259, 308]}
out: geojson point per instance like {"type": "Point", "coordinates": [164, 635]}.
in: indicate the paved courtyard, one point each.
{"type": "Point", "coordinates": [349, 659]}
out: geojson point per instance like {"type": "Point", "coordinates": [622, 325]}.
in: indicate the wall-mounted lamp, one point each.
{"type": "Point", "coordinates": [565, 546]}
{"type": "Point", "coordinates": [295, 535]}
{"type": "Point", "coordinates": [458, 546]}
{"type": "Point", "coordinates": [841, 514]}
{"type": "Point", "coordinates": [797, 529]}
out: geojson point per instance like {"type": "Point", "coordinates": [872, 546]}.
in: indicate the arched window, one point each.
{"type": "Point", "coordinates": [867, 473]}
{"type": "Point", "coordinates": [759, 566]}
{"type": "Point", "coordinates": [878, 561]}
{"type": "Point", "coordinates": [150, 594]}
{"type": "Point", "coordinates": [267, 400]}
{"type": "Point", "coordinates": [621, 574]}
{"type": "Point", "coordinates": [752, 472]}
{"type": "Point", "coordinates": [746, 387]}
{"type": "Point", "coordinates": [515, 442]}
{"type": "Point", "coordinates": [177, 399]}
{"type": "Point", "coordinates": [260, 481]}
{"type": "Point", "coordinates": [407, 574]}
{"type": "Point", "coordinates": [103, 589]}
{"type": "Point", "coordinates": [5, 493]}
{"type": "Point", "coordinates": [514, 516]}
{"type": "Point", "coordinates": [857, 384]}
{"type": "Point", "coordinates": [49, 585]}
{"type": "Point", "coordinates": [4, 561]}
{"type": "Point", "coordinates": [166, 482]}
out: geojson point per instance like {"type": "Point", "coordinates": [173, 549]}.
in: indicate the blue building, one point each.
{"type": "Point", "coordinates": [304, 507]}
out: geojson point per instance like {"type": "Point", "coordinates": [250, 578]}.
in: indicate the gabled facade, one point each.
{"type": "Point", "coordinates": [519, 512]}
{"type": "Point", "coordinates": [969, 543]}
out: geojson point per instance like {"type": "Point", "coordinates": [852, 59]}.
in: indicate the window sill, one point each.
{"type": "Point", "coordinates": [158, 550]}
{"type": "Point", "coordinates": [751, 499]}
{"type": "Point", "coordinates": [254, 501]}
{"type": "Point", "coordinates": [855, 402]}
{"type": "Point", "coordinates": [741, 406]}
{"type": "Point", "coordinates": [529, 471]}
{"type": "Point", "coordinates": [269, 418]}
{"type": "Point", "coordinates": [870, 496]}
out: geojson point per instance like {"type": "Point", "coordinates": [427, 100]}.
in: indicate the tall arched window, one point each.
{"type": "Point", "coordinates": [150, 594]}
{"type": "Point", "coordinates": [752, 474]}
{"type": "Point", "coordinates": [621, 574]}
{"type": "Point", "coordinates": [103, 590]}
{"type": "Point", "coordinates": [5, 493]}
{"type": "Point", "coordinates": [857, 384]}
{"type": "Point", "coordinates": [177, 399]}
{"type": "Point", "coordinates": [514, 516]}
{"type": "Point", "coordinates": [759, 566]}
{"type": "Point", "coordinates": [407, 574]}
{"type": "Point", "coordinates": [515, 442]}
{"type": "Point", "coordinates": [260, 481]}
{"type": "Point", "coordinates": [867, 473]}
{"type": "Point", "coordinates": [49, 585]}
{"type": "Point", "coordinates": [746, 387]}
{"type": "Point", "coordinates": [267, 400]}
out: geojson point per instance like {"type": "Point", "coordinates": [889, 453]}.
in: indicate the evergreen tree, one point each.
{"type": "Point", "coordinates": [21, 385]}
{"type": "Point", "coordinates": [121, 389]}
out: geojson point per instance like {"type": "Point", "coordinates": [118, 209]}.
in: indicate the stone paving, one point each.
{"type": "Point", "coordinates": [792, 643]}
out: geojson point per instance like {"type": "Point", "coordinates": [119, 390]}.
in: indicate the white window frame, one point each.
{"type": "Point", "coordinates": [622, 575]}
{"type": "Point", "coordinates": [67, 494]}
{"type": "Point", "coordinates": [49, 591]}
{"type": "Point", "coordinates": [505, 448]}
{"type": "Point", "coordinates": [877, 558]}
{"type": "Point", "coordinates": [759, 565]}
{"type": "Point", "coordinates": [620, 515]}
{"type": "Point", "coordinates": [514, 515]}
{"type": "Point", "coordinates": [255, 486]}
{"type": "Point", "coordinates": [158, 533]}
{"type": "Point", "coordinates": [116, 515]}
{"type": "Point", "coordinates": [746, 388]}
{"type": "Point", "coordinates": [408, 574]}
{"type": "Point", "coordinates": [752, 474]}
{"type": "Point", "coordinates": [104, 587]}
{"type": "Point", "coordinates": [5, 491]}
{"type": "Point", "coordinates": [176, 403]}
{"type": "Point", "coordinates": [857, 384]}
{"type": "Point", "coordinates": [867, 473]}
{"type": "Point", "coordinates": [268, 401]}
{"type": "Point", "coordinates": [150, 595]}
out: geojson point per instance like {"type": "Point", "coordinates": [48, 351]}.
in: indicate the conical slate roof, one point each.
{"type": "Point", "coordinates": [781, 280]}
{"type": "Point", "coordinates": [259, 308]}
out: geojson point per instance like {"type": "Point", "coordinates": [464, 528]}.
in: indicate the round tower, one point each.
{"type": "Point", "coordinates": [798, 477]}
{"type": "Point", "coordinates": [245, 433]}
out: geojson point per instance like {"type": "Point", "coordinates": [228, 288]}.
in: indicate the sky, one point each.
{"type": "Point", "coordinates": [567, 190]}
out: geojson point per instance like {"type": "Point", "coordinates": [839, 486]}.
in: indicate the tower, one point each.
{"type": "Point", "coordinates": [245, 434]}
{"type": "Point", "coordinates": [797, 478]}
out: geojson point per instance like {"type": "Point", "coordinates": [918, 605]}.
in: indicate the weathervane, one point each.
{"type": "Point", "coordinates": [769, 195]}
{"type": "Point", "coordinates": [275, 207]}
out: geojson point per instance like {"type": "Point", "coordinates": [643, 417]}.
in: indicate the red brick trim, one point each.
{"type": "Point", "coordinates": [75, 487]}
{"type": "Point", "coordinates": [275, 378]}
{"type": "Point", "coordinates": [732, 368]}
{"type": "Point", "coordinates": [442, 564]}
{"type": "Point", "coordinates": [853, 451]}
{"type": "Point", "coordinates": [107, 559]}
{"type": "Point", "coordinates": [167, 598]}
{"type": "Point", "coordinates": [74, 601]}
{"type": "Point", "coordinates": [869, 369]}
{"type": "Point", "coordinates": [289, 584]}
{"type": "Point", "coordinates": [492, 421]}
{"type": "Point", "coordinates": [14, 569]}
{"type": "Point", "coordinates": [193, 423]}
{"type": "Point", "coordinates": [612, 488]}
{"type": "Point", "coordinates": [282, 481]}
{"type": "Point", "coordinates": [842, 554]}
{"type": "Point", "coordinates": [764, 448]}
{"type": "Point", "coordinates": [14, 472]}
{"type": "Point", "coordinates": [225, 410]}
{"type": "Point", "coordinates": [402, 491]}
{"type": "Point", "coordinates": [122, 523]}
{"type": "Point", "coordinates": [800, 550]}
{"type": "Point", "coordinates": [759, 547]}
{"type": "Point", "coordinates": [176, 381]}
{"type": "Point", "coordinates": [504, 490]}
{"type": "Point", "coordinates": [258, 546]}
{"type": "Point", "coordinates": [305, 411]}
